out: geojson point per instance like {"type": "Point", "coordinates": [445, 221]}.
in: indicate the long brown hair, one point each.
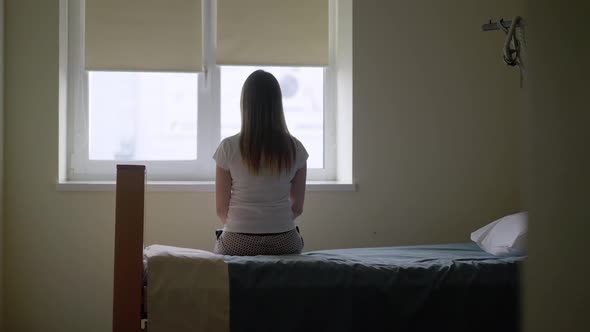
{"type": "Point", "coordinates": [265, 142]}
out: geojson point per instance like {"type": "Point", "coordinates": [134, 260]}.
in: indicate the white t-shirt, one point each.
{"type": "Point", "coordinates": [258, 203]}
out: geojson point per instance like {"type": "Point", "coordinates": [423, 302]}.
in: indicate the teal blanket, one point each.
{"type": "Point", "coordinates": [454, 287]}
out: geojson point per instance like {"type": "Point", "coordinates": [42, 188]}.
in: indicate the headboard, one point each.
{"type": "Point", "coordinates": [128, 274]}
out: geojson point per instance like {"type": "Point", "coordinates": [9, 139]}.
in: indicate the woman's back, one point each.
{"type": "Point", "coordinates": [259, 203]}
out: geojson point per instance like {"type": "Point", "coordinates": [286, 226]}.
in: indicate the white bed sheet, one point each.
{"type": "Point", "coordinates": [188, 290]}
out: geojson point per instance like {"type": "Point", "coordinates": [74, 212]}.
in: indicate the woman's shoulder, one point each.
{"type": "Point", "coordinates": [230, 141]}
{"type": "Point", "coordinates": [227, 148]}
{"type": "Point", "coordinates": [301, 154]}
{"type": "Point", "coordinates": [297, 143]}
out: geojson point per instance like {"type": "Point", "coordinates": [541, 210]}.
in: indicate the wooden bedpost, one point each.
{"type": "Point", "coordinates": [128, 275]}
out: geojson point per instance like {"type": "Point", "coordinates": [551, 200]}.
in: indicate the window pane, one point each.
{"type": "Point", "coordinates": [142, 116]}
{"type": "Point", "coordinates": [303, 103]}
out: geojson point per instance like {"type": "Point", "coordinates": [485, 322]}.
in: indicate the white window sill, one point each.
{"type": "Point", "coordinates": [191, 186]}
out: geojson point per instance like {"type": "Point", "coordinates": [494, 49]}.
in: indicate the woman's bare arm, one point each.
{"type": "Point", "coordinates": [298, 191]}
{"type": "Point", "coordinates": [222, 192]}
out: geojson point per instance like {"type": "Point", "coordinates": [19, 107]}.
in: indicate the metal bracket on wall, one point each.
{"type": "Point", "coordinates": [501, 25]}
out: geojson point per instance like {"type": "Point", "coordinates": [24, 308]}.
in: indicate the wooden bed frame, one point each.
{"type": "Point", "coordinates": [128, 274]}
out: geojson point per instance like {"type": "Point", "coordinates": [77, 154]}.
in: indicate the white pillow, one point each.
{"type": "Point", "coordinates": [503, 237]}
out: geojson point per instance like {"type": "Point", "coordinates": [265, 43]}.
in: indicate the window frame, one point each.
{"type": "Point", "coordinates": [80, 168]}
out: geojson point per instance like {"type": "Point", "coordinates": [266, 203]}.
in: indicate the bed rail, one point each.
{"type": "Point", "coordinates": [128, 271]}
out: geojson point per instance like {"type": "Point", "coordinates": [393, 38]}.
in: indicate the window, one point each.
{"type": "Point", "coordinates": [173, 120]}
{"type": "Point", "coordinates": [142, 116]}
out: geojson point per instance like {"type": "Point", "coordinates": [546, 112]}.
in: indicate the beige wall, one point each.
{"type": "Point", "coordinates": [435, 121]}
{"type": "Point", "coordinates": [1, 164]}
{"type": "Point", "coordinates": [435, 156]}
{"type": "Point", "coordinates": [557, 291]}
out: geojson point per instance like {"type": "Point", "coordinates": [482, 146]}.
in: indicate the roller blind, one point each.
{"type": "Point", "coordinates": [143, 35]}
{"type": "Point", "coordinates": [272, 32]}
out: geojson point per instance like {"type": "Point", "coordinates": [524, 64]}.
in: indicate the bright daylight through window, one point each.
{"type": "Point", "coordinates": [142, 116]}
{"type": "Point", "coordinates": [153, 116]}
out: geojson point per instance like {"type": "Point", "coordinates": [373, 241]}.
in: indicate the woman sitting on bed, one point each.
{"type": "Point", "coordinates": [260, 177]}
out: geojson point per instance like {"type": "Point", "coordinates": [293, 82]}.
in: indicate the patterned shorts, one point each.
{"type": "Point", "coordinates": [242, 244]}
